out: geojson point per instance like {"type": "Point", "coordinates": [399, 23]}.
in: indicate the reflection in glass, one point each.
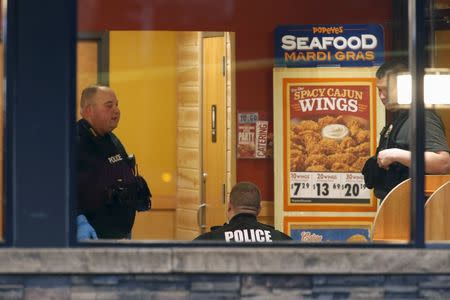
{"type": "Point", "coordinates": [435, 83]}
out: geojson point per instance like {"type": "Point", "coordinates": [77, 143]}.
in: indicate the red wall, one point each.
{"type": "Point", "coordinates": [253, 22]}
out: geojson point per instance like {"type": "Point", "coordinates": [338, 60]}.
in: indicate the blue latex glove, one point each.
{"type": "Point", "coordinates": [84, 230]}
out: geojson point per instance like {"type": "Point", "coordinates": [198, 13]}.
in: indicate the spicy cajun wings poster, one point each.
{"type": "Point", "coordinates": [327, 124]}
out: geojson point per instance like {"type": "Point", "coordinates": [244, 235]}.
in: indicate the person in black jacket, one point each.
{"type": "Point", "coordinates": [109, 190]}
{"type": "Point", "coordinates": [392, 161]}
{"type": "Point", "coordinates": [243, 208]}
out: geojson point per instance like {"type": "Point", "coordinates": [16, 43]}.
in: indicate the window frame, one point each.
{"type": "Point", "coordinates": [40, 123]}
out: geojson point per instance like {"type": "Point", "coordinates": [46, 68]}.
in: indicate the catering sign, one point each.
{"type": "Point", "coordinates": [254, 136]}
{"type": "Point", "coordinates": [329, 45]}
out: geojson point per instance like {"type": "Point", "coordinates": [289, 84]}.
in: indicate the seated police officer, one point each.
{"type": "Point", "coordinates": [243, 208]}
{"type": "Point", "coordinates": [109, 190]}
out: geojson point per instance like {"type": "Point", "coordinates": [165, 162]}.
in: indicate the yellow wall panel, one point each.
{"type": "Point", "coordinates": [154, 225]}
{"type": "Point", "coordinates": [186, 235]}
{"type": "Point", "coordinates": [143, 75]}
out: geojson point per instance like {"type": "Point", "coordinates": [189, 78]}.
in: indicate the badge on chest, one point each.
{"type": "Point", "coordinates": [114, 159]}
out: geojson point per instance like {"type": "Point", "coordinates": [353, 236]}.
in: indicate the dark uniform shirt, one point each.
{"type": "Point", "coordinates": [397, 135]}
{"type": "Point", "coordinates": [244, 228]}
{"type": "Point", "coordinates": [102, 169]}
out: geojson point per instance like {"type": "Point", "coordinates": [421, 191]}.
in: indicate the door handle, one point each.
{"type": "Point", "coordinates": [224, 193]}
{"type": "Point", "coordinates": [213, 123]}
{"type": "Point", "coordinates": [200, 216]}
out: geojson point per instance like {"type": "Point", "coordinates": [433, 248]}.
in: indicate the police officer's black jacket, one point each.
{"type": "Point", "coordinates": [102, 167]}
{"type": "Point", "coordinates": [244, 228]}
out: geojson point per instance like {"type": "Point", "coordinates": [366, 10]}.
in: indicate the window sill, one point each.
{"type": "Point", "coordinates": [215, 260]}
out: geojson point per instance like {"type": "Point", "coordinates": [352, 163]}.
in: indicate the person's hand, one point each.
{"type": "Point", "coordinates": [387, 157]}
{"type": "Point", "coordinates": [84, 230]}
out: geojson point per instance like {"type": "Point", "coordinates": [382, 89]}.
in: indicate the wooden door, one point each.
{"type": "Point", "coordinates": [214, 132]}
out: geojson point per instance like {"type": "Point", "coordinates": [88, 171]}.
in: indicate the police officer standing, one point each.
{"type": "Point", "coordinates": [243, 208]}
{"type": "Point", "coordinates": [109, 192]}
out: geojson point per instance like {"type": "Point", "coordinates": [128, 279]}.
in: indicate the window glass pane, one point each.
{"type": "Point", "coordinates": [438, 34]}
{"type": "Point", "coordinates": [288, 100]}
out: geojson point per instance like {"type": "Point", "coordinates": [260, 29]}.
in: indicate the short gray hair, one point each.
{"type": "Point", "coordinates": [87, 95]}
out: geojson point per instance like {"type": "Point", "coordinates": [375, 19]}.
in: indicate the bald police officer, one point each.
{"type": "Point", "coordinates": [243, 227]}
{"type": "Point", "coordinates": [109, 189]}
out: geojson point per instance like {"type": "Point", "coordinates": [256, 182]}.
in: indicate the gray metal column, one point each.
{"type": "Point", "coordinates": [416, 65]}
{"type": "Point", "coordinates": [40, 116]}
